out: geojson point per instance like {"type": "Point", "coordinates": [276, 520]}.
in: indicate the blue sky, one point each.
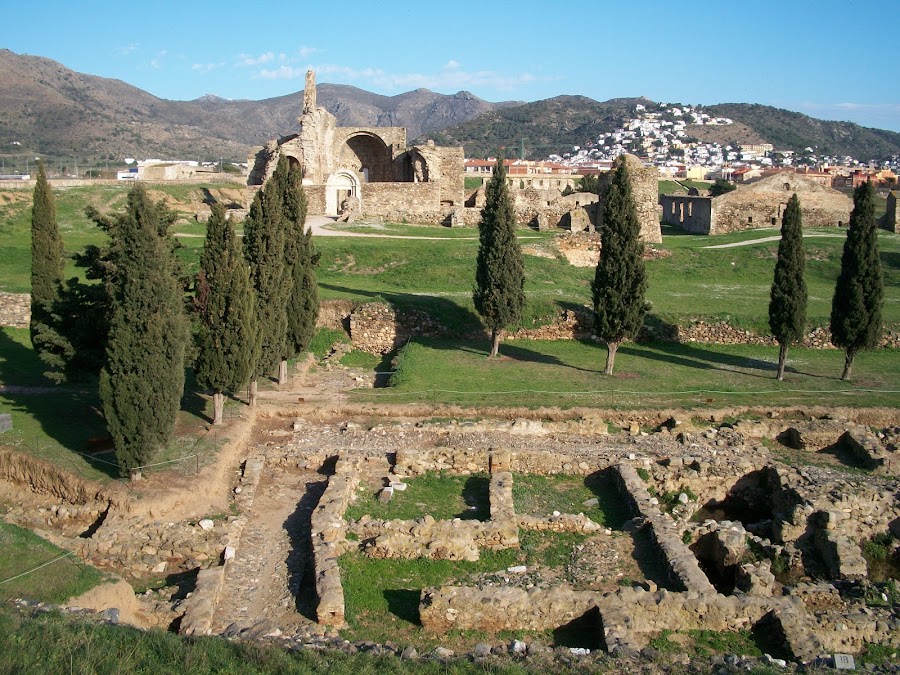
{"type": "Point", "coordinates": [828, 59]}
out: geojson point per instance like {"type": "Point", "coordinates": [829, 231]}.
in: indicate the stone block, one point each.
{"type": "Point", "coordinates": [6, 423]}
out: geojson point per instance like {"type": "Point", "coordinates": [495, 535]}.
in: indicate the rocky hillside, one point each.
{"type": "Point", "coordinates": [554, 126]}
{"type": "Point", "coordinates": [56, 112]}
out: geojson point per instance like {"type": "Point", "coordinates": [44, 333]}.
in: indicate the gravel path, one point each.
{"type": "Point", "coordinates": [763, 240]}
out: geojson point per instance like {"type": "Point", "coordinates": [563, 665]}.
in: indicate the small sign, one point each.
{"type": "Point", "coordinates": [844, 662]}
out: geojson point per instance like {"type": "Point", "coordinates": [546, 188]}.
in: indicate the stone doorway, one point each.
{"type": "Point", "coordinates": [340, 186]}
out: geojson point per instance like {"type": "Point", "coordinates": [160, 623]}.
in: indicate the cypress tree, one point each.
{"type": "Point", "coordinates": [859, 293]}
{"type": "Point", "coordinates": [226, 341]}
{"type": "Point", "coordinates": [499, 294]}
{"type": "Point", "coordinates": [143, 379]}
{"type": "Point", "coordinates": [46, 267]}
{"type": "Point", "coordinates": [620, 280]}
{"type": "Point", "coordinates": [787, 304]}
{"type": "Point", "coordinates": [301, 259]}
{"type": "Point", "coordinates": [264, 235]}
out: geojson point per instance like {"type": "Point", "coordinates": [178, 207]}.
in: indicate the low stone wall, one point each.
{"type": "Point", "coordinates": [328, 531]}
{"type": "Point", "coordinates": [506, 608]}
{"type": "Point", "coordinates": [684, 571]}
{"type": "Point", "coordinates": [200, 607]}
{"type": "Point", "coordinates": [841, 554]}
{"type": "Point", "coordinates": [15, 310]}
{"type": "Point", "coordinates": [865, 447]}
{"type": "Point", "coordinates": [378, 328]}
{"type": "Point", "coordinates": [426, 537]}
{"type": "Point", "coordinates": [466, 461]}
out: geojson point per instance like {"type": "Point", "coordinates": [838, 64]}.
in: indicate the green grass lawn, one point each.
{"type": "Point", "coordinates": [442, 496]}
{"type": "Point", "coordinates": [57, 424]}
{"type": "Point", "coordinates": [382, 596]}
{"type": "Point", "coordinates": [648, 375]}
{"type": "Point", "coordinates": [21, 550]}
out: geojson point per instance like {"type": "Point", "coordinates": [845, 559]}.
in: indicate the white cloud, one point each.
{"type": "Point", "coordinates": [130, 48]}
{"type": "Point", "coordinates": [452, 76]}
{"type": "Point", "coordinates": [207, 67]}
{"type": "Point", "coordinates": [249, 60]}
{"type": "Point", "coordinates": [156, 61]}
{"type": "Point", "coordinates": [305, 51]}
{"type": "Point", "coordinates": [283, 72]}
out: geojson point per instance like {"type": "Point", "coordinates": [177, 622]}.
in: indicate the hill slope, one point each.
{"type": "Point", "coordinates": [788, 130]}
{"type": "Point", "coordinates": [555, 125]}
{"type": "Point", "coordinates": [56, 112]}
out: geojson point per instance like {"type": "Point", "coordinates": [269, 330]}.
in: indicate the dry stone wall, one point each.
{"type": "Point", "coordinates": [329, 529]}
{"type": "Point", "coordinates": [498, 609]}
{"type": "Point", "coordinates": [15, 310]}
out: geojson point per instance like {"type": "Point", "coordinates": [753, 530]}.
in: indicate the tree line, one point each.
{"type": "Point", "coordinates": [251, 308]}
{"type": "Point", "coordinates": [620, 279]}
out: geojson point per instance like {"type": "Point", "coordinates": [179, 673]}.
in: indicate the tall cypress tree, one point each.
{"type": "Point", "coordinates": [499, 294]}
{"type": "Point", "coordinates": [143, 380]}
{"type": "Point", "coordinates": [46, 265]}
{"type": "Point", "coordinates": [301, 259]}
{"type": "Point", "coordinates": [787, 303]}
{"type": "Point", "coordinates": [859, 293]}
{"type": "Point", "coordinates": [620, 280]}
{"type": "Point", "coordinates": [226, 342]}
{"type": "Point", "coordinates": [264, 235]}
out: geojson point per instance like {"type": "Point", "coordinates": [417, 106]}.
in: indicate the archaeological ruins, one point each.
{"type": "Point", "coordinates": [758, 204]}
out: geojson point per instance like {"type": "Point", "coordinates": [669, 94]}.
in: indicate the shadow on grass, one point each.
{"type": "Point", "coordinates": [195, 400]}
{"type": "Point", "coordinates": [69, 416]}
{"type": "Point", "coordinates": [614, 507]}
{"type": "Point", "coordinates": [476, 493]}
{"type": "Point", "coordinates": [404, 604]}
{"type": "Point", "coordinates": [457, 320]}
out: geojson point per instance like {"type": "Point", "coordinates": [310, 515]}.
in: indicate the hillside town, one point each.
{"type": "Point", "coordinates": [662, 136]}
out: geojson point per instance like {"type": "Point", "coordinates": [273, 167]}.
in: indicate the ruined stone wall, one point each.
{"type": "Point", "coordinates": [762, 203]}
{"type": "Point", "coordinates": [446, 167]}
{"type": "Point", "coordinates": [15, 310]}
{"type": "Point", "coordinates": [315, 198]}
{"type": "Point", "coordinates": [891, 219]}
{"type": "Point", "coordinates": [645, 191]}
{"type": "Point", "coordinates": [416, 202]}
{"type": "Point", "coordinates": [499, 609]}
{"type": "Point", "coordinates": [691, 214]}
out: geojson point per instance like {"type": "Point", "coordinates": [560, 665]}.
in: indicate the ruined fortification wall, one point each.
{"type": "Point", "coordinates": [417, 202]}
{"type": "Point", "coordinates": [645, 191]}
{"type": "Point", "coordinates": [691, 214]}
{"type": "Point", "coordinates": [891, 219]}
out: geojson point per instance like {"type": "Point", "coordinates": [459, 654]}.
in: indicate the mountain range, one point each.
{"type": "Point", "coordinates": [49, 110]}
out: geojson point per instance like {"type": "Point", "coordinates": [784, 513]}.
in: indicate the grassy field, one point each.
{"type": "Point", "coordinates": [694, 282]}
{"type": "Point", "coordinates": [57, 423]}
{"type": "Point", "coordinates": [22, 551]}
{"type": "Point", "coordinates": [538, 373]}
{"type": "Point", "coordinates": [439, 495]}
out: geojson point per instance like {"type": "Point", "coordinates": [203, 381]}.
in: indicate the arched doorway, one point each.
{"type": "Point", "coordinates": [341, 185]}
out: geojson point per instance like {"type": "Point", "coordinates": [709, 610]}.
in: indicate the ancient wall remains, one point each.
{"type": "Point", "coordinates": [891, 219]}
{"type": "Point", "coordinates": [645, 192]}
{"type": "Point", "coordinates": [15, 310]}
{"type": "Point", "coordinates": [691, 214]}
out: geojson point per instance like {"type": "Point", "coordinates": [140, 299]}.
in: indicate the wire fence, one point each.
{"type": "Point", "coordinates": [615, 397]}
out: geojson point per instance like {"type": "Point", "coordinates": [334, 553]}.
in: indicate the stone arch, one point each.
{"type": "Point", "coordinates": [366, 153]}
{"type": "Point", "coordinates": [417, 169]}
{"type": "Point", "coordinates": [341, 185]}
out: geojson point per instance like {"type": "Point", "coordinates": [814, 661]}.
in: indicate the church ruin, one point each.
{"type": "Point", "coordinates": [367, 171]}
{"type": "Point", "coordinates": [760, 204]}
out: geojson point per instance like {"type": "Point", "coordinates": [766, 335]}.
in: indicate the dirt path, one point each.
{"type": "Point", "coordinates": [269, 576]}
{"type": "Point", "coordinates": [764, 240]}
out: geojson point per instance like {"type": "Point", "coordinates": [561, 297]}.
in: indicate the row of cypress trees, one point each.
{"type": "Point", "coordinates": [255, 306]}
{"type": "Point", "coordinates": [858, 295]}
{"type": "Point", "coordinates": [620, 279]}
